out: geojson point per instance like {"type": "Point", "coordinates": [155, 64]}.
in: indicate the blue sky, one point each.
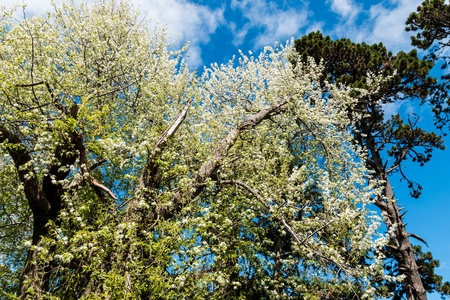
{"type": "Point", "coordinates": [217, 29]}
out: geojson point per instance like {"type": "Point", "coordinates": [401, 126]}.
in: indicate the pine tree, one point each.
{"type": "Point", "coordinates": [405, 78]}
{"type": "Point", "coordinates": [432, 23]}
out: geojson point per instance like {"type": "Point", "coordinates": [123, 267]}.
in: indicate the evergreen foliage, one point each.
{"type": "Point", "coordinates": [431, 281]}
{"type": "Point", "coordinates": [432, 21]}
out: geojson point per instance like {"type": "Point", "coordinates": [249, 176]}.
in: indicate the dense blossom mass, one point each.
{"type": "Point", "coordinates": [124, 174]}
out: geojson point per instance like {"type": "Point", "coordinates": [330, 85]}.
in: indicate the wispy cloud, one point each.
{"type": "Point", "coordinates": [406, 109]}
{"type": "Point", "coordinates": [270, 21]}
{"type": "Point", "coordinates": [389, 24]}
{"type": "Point", "coordinates": [382, 22]}
{"type": "Point", "coordinates": [346, 9]}
{"type": "Point", "coordinates": [195, 23]}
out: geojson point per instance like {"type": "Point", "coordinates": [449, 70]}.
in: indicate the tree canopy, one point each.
{"type": "Point", "coordinates": [432, 24]}
{"type": "Point", "coordinates": [125, 175]}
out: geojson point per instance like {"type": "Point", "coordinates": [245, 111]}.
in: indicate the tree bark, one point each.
{"type": "Point", "coordinates": [400, 237]}
{"type": "Point", "coordinates": [394, 219]}
{"type": "Point", "coordinates": [44, 200]}
{"type": "Point", "coordinates": [277, 262]}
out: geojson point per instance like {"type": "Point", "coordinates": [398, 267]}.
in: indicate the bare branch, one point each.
{"type": "Point", "coordinates": [95, 183]}
{"type": "Point", "coordinates": [213, 162]}
{"type": "Point", "coordinates": [151, 168]}
{"type": "Point", "coordinates": [309, 236]}
{"type": "Point", "coordinates": [418, 238]}
{"type": "Point", "coordinates": [31, 84]}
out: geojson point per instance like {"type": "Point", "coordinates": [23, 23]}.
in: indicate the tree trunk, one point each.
{"type": "Point", "coordinates": [33, 280]}
{"type": "Point", "coordinates": [400, 237]}
{"type": "Point", "coordinates": [277, 262]}
{"type": "Point", "coordinates": [44, 200]}
{"type": "Point", "coordinates": [30, 285]}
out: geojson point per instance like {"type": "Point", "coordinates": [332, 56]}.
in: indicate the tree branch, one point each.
{"type": "Point", "coordinates": [93, 164]}
{"type": "Point", "coordinates": [214, 161]}
{"type": "Point", "coordinates": [248, 188]}
{"type": "Point", "coordinates": [418, 238]}
{"type": "Point", "coordinates": [22, 161]}
{"type": "Point", "coordinates": [150, 169]}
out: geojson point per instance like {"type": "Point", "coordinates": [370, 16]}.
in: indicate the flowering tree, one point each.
{"type": "Point", "coordinates": [125, 175]}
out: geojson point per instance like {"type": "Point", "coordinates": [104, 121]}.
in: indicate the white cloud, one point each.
{"type": "Point", "coordinates": [264, 21]}
{"type": "Point", "coordinates": [382, 22]}
{"type": "Point", "coordinates": [404, 108]}
{"type": "Point", "coordinates": [389, 24]}
{"type": "Point", "coordinates": [345, 8]}
{"type": "Point", "coordinates": [273, 24]}
{"type": "Point", "coordinates": [195, 23]}
{"type": "Point", "coordinates": [391, 109]}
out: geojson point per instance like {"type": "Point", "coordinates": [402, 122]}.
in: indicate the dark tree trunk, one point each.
{"type": "Point", "coordinates": [400, 237]}
{"type": "Point", "coordinates": [44, 200]}
{"type": "Point", "coordinates": [32, 279]}
{"type": "Point", "coordinates": [277, 262]}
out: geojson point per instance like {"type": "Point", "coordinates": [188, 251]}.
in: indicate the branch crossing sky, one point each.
{"type": "Point", "coordinates": [217, 29]}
